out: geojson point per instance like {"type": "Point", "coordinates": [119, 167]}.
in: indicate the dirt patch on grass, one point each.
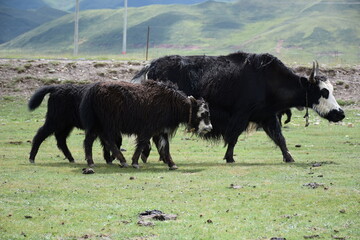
{"type": "Point", "coordinates": [21, 77]}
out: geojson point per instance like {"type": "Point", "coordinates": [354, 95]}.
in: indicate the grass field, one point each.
{"type": "Point", "coordinates": [52, 199]}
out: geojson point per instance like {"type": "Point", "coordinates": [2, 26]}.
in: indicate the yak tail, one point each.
{"type": "Point", "coordinates": [87, 114]}
{"type": "Point", "coordinates": [141, 75]}
{"type": "Point", "coordinates": [38, 96]}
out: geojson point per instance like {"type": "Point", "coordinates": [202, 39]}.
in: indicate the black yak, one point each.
{"type": "Point", "coordinates": [110, 109]}
{"type": "Point", "coordinates": [244, 87]}
{"type": "Point", "coordinates": [61, 117]}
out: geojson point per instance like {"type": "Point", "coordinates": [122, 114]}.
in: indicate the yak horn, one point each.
{"type": "Point", "coordinates": [313, 74]}
{"type": "Point", "coordinates": [316, 68]}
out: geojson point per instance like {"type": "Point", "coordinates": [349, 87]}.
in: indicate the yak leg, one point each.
{"type": "Point", "coordinates": [111, 143]}
{"type": "Point", "coordinates": [146, 152]}
{"type": "Point", "coordinates": [61, 137]}
{"type": "Point", "coordinates": [229, 155]}
{"type": "Point", "coordinates": [163, 147]}
{"type": "Point", "coordinates": [118, 145]}
{"type": "Point", "coordinates": [288, 116]}
{"type": "Point", "coordinates": [110, 140]}
{"type": "Point", "coordinates": [106, 150]}
{"type": "Point", "coordinates": [157, 140]}
{"type": "Point", "coordinates": [43, 132]}
{"type": "Point", "coordinates": [142, 142]}
{"type": "Point", "coordinates": [236, 126]}
{"type": "Point", "coordinates": [90, 137]}
{"type": "Point", "coordinates": [273, 130]}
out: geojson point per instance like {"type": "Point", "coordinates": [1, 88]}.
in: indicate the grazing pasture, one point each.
{"type": "Point", "coordinates": [257, 197]}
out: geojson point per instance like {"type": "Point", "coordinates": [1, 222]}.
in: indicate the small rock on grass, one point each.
{"type": "Point", "coordinates": [311, 236]}
{"type": "Point", "coordinates": [316, 165]}
{"type": "Point", "coordinates": [88, 171]}
{"type": "Point", "coordinates": [338, 238]}
{"type": "Point", "coordinates": [154, 215]}
{"type": "Point", "coordinates": [145, 223]}
{"type": "Point", "coordinates": [313, 185]}
{"type": "Point", "coordinates": [233, 186]}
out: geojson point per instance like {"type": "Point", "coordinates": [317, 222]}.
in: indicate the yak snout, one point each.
{"type": "Point", "coordinates": [204, 127]}
{"type": "Point", "coordinates": [335, 115]}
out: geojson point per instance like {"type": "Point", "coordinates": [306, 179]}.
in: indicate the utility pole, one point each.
{"type": "Point", "coordinates": [76, 31]}
{"type": "Point", "coordinates": [125, 28]}
{"type": "Point", "coordinates": [147, 42]}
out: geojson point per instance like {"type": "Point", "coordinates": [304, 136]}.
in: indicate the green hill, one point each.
{"type": "Point", "coordinates": [293, 30]}
{"type": "Point", "coordinates": [14, 22]}
{"type": "Point", "coordinates": [22, 4]}
{"type": "Point", "coordinates": [68, 5]}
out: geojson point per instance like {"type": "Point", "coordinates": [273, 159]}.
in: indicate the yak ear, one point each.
{"type": "Point", "coordinates": [304, 82]}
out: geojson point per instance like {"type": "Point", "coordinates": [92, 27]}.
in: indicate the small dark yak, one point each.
{"type": "Point", "coordinates": [242, 88]}
{"type": "Point", "coordinates": [61, 117]}
{"type": "Point", "coordinates": [111, 109]}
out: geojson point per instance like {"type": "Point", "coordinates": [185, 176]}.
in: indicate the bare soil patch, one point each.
{"type": "Point", "coordinates": [21, 77]}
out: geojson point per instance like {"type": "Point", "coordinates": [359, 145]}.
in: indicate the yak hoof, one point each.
{"type": "Point", "coordinates": [230, 160]}
{"type": "Point", "coordinates": [288, 158]}
{"type": "Point", "coordinates": [174, 167]}
{"type": "Point", "coordinates": [109, 163]}
{"type": "Point", "coordinates": [124, 165]}
{"type": "Point", "coordinates": [136, 166]}
{"type": "Point", "coordinates": [31, 161]}
{"type": "Point", "coordinates": [91, 165]}
{"type": "Point", "coordinates": [71, 161]}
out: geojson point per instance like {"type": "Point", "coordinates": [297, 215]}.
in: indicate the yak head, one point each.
{"type": "Point", "coordinates": [320, 96]}
{"type": "Point", "coordinates": [199, 118]}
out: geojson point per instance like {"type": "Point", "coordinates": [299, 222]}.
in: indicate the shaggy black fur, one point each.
{"type": "Point", "coordinates": [110, 109]}
{"type": "Point", "coordinates": [61, 117]}
{"type": "Point", "coordinates": [240, 88]}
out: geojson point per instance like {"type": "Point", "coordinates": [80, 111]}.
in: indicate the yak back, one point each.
{"type": "Point", "coordinates": [134, 108]}
{"type": "Point", "coordinates": [235, 81]}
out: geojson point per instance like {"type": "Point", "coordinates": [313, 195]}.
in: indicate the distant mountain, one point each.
{"type": "Point", "coordinates": [68, 5]}
{"type": "Point", "coordinates": [292, 29]}
{"type": "Point", "coordinates": [14, 22]}
{"type": "Point", "coordinates": [113, 4]}
{"type": "Point", "coordinates": [22, 4]}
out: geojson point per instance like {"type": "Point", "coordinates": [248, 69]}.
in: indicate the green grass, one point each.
{"type": "Point", "coordinates": [272, 202]}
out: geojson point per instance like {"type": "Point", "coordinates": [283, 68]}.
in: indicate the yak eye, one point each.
{"type": "Point", "coordinates": [324, 93]}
